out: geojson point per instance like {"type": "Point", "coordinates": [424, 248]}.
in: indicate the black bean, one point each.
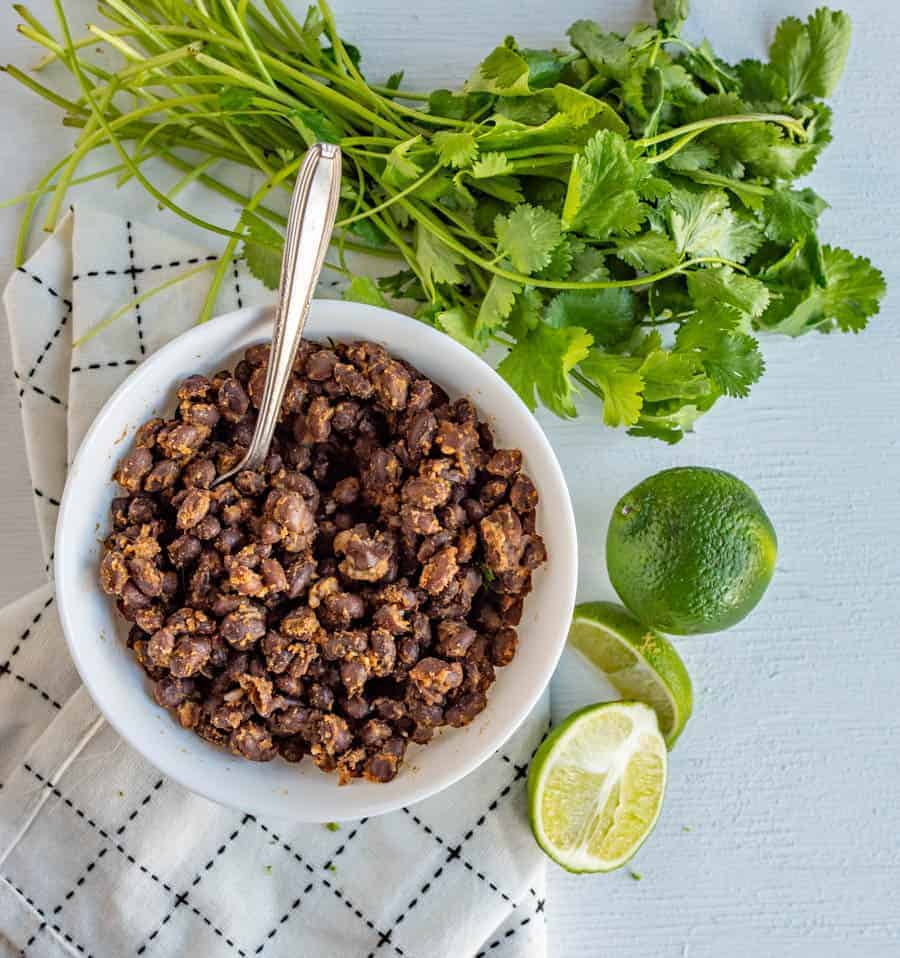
{"type": "Point", "coordinates": [335, 602]}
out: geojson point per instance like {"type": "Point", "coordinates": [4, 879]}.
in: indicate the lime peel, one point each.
{"type": "Point", "coordinates": [639, 662]}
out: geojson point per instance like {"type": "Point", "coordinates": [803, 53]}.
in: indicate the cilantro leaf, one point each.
{"type": "Point", "coordinates": [455, 148]}
{"type": "Point", "coordinates": [853, 288]}
{"type": "Point", "coordinates": [545, 67]}
{"type": "Point", "coordinates": [589, 266]}
{"type": "Point", "coordinates": [527, 236]}
{"type": "Point", "coordinates": [313, 27]}
{"type": "Point", "coordinates": [505, 188]}
{"type": "Point", "coordinates": [712, 70]}
{"type": "Point", "coordinates": [811, 56]}
{"type": "Point", "coordinates": [400, 170]}
{"type": "Point", "coordinates": [642, 93]}
{"type": "Point", "coordinates": [532, 110]}
{"type": "Point", "coordinates": [619, 380]}
{"type": "Point", "coordinates": [490, 164]}
{"type": "Point", "coordinates": [497, 304]}
{"type": "Point", "coordinates": [368, 231]}
{"type": "Point", "coordinates": [235, 98]}
{"type": "Point", "coordinates": [670, 421]}
{"type": "Point", "coordinates": [607, 314]}
{"type": "Point", "coordinates": [673, 375]}
{"type": "Point", "coordinates": [364, 289]}
{"type": "Point", "coordinates": [851, 295]}
{"type": "Point", "coordinates": [752, 195]}
{"type": "Point", "coordinates": [731, 359]}
{"type": "Point", "coordinates": [403, 284]}
{"type": "Point", "coordinates": [526, 312]}
{"type": "Point", "coordinates": [561, 259]}
{"type": "Point", "coordinates": [607, 52]}
{"type": "Point", "coordinates": [671, 14]}
{"type": "Point", "coordinates": [237, 103]}
{"type": "Point", "coordinates": [457, 106]}
{"type": "Point", "coordinates": [437, 260]}
{"type": "Point", "coordinates": [648, 253]}
{"type": "Point", "coordinates": [458, 324]}
{"type": "Point", "coordinates": [581, 108]}
{"type": "Point", "coordinates": [703, 224]}
{"type": "Point", "coordinates": [541, 362]}
{"type": "Point", "coordinates": [791, 214]}
{"type": "Point", "coordinates": [319, 127]}
{"type": "Point", "coordinates": [262, 249]}
{"type": "Point", "coordinates": [721, 288]}
{"type": "Point", "coordinates": [734, 363]}
{"type": "Point", "coordinates": [502, 71]}
{"type": "Point", "coordinates": [602, 197]}
{"type": "Point", "coordinates": [761, 82]}
{"type": "Point", "coordinates": [679, 85]}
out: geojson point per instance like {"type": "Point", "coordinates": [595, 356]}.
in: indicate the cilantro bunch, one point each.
{"type": "Point", "coordinates": [619, 217]}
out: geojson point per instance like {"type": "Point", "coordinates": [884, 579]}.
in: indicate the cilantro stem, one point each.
{"type": "Point", "coordinates": [788, 122]}
{"type": "Point", "coordinates": [653, 323]}
{"type": "Point", "coordinates": [348, 141]}
{"type": "Point", "coordinates": [399, 94]}
{"type": "Point", "coordinates": [287, 72]}
{"type": "Point", "coordinates": [525, 166]}
{"type": "Point", "coordinates": [167, 59]}
{"type": "Point", "coordinates": [741, 186]}
{"type": "Point", "coordinates": [674, 148]}
{"type": "Point", "coordinates": [393, 199]}
{"type": "Point", "coordinates": [38, 192]}
{"type": "Point", "coordinates": [230, 247]}
{"type": "Point", "coordinates": [113, 39]}
{"type": "Point", "coordinates": [69, 169]}
{"type": "Point", "coordinates": [241, 31]}
{"type": "Point", "coordinates": [50, 95]}
{"type": "Point", "coordinates": [123, 153]}
{"type": "Point", "coordinates": [25, 223]}
{"type": "Point", "coordinates": [30, 18]}
{"type": "Point", "coordinates": [50, 44]}
{"type": "Point", "coordinates": [542, 151]}
{"type": "Point", "coordinates": [137, 301]}
{"type": "Point", "coordinates": [192, 175]}
{"type": "Point", "coordinates": [588, 384]}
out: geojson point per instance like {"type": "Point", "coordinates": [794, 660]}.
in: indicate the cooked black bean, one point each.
{"type": "Point", "coordinates": [354, 594]}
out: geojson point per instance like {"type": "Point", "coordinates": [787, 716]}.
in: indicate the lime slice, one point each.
{"type": "Point", "coordinates": [596, 785]}
{"type": "Point", "coordinates": [639, 662]}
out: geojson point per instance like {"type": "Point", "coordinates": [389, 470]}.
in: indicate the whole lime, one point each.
{"type": "Point", "coordinates": [690, 550]}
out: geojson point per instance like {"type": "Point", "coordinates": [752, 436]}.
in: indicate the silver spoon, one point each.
{"type": "Point", "coordinates": [310, 222]}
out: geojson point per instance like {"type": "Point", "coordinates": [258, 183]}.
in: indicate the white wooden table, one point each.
{"type": "Point", "coordinates": [781, 830]}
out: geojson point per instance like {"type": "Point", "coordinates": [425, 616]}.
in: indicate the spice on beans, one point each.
{"type": "Point", "coordinates": [352, 595]}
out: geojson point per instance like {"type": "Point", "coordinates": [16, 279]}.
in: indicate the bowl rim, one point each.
{"type": "Point", "coordinates": [164, 759]}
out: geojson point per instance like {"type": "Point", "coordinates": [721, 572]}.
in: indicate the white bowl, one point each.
{"type": "Point", "coordinates": [95, 632]}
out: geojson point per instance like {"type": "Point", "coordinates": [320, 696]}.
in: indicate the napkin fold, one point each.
{"type": "Point", "coordinates": [103, 857]}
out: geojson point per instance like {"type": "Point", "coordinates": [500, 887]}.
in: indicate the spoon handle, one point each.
{"type": "Point", "coordinates": [310, 222]}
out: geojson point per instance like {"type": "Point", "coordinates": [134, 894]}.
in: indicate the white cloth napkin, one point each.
{"type": "Point", "coordinates": [102, 857]}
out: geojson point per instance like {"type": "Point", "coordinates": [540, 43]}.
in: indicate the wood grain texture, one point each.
{"type": "Point", "coordinates": [787, 775]}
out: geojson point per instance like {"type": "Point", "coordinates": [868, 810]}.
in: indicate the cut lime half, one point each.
{"type": "Point", "coordinates": [639, 662]}
{"type": "Point", "coordinates": [596, 785]}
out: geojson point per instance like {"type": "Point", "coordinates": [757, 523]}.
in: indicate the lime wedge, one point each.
{"type": "Point", "coordinates": [596, 785]}
{"type": "Point", "coordinates": [639, 662]}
